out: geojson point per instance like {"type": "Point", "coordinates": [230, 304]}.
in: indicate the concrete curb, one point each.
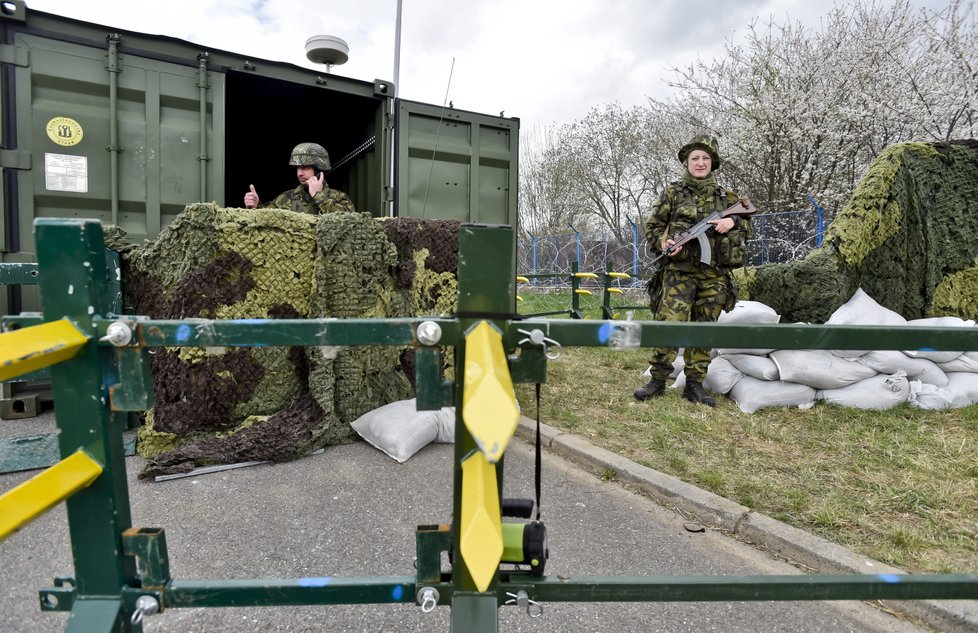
{"type": "Point", "coordinates": [785, 541]}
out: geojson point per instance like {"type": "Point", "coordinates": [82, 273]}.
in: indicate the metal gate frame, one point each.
{"type": "Point", "coordinates": [98, 352]}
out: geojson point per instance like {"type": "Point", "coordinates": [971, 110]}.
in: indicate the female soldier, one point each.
{"type": "Point", "coordinates": [691, 290]}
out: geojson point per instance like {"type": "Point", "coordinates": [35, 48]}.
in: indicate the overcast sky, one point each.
{"type": "Point", "coordinates": [544, 61]}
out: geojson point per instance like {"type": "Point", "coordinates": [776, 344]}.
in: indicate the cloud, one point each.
{"type": "Point", "coordinates": [541, 60]}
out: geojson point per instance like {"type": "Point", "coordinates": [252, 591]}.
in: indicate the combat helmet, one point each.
{"type": "Point", "coordinates": [310, 154]}
{"type": "Point", "coordinates": [704, 142]}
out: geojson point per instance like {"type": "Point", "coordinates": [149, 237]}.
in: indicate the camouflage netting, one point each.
{"type": "Point", "coordinates": [239, 404]}
{"type": "Point", "coordinates": [425, 276]}
{"type": "Point", "coordinates": [907, 238]}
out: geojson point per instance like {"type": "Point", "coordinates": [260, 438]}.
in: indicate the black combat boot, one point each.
{"type": "Point", "coordinates": [653, 388]}
{"type": "Point", "coordinates": [694, 392]}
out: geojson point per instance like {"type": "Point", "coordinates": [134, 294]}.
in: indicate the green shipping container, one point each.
{"type": "Point", "coordinates": [130, 127]}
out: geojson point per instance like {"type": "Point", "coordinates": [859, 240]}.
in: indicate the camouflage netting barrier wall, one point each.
{"type": "Point", "coordinates": [908, 237]}
{"type": "Point", "coordinates": [242, 404]}
{"type": "Point", "coordinates": [425, 276]}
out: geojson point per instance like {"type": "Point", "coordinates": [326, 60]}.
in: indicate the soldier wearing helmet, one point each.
{"type": "Point", "coordinates": [689, 290]}
{"type": "Point", "coordinates": [312, 195]}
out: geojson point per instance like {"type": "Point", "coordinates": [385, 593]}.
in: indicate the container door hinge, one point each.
{"type": "Point", "coordinates": [16, 55]}
{"type": "Point", "coordinates": [15, 159]}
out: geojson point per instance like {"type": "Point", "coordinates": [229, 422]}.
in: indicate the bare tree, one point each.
{"type": "Point", "coordinates": [548, 202]}
{"type": "Point", "coordinates": [798, 112]}
{"type": "Point", "coordinates": [804, 113]}
{"type": "Point", "coordinates": [606, 151]}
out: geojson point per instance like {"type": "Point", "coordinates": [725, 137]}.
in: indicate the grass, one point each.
{"type": "Point", "coordinates": [900, 486]}
{"type": "Point", "coordinates": [560, 300]}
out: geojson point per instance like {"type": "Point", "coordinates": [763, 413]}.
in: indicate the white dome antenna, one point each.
{"type": "Point", "coordinates": [327, 49]}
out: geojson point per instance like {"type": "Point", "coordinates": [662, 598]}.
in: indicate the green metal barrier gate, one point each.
{"type": "Point", "coordinates": [109, 357]}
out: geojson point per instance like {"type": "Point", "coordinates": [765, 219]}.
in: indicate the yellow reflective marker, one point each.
{"type": "Point", "coordinates": [586, 275]}
{"type": "Point", "coordinates": [31, 348]}
{"type": "Point", "coordinates": [489, 407]}
{"type": "Point", "coordinates": [618, 291]}
{"type": "Point", "coordinates": [582, 291]}
{"type": "Point", "coordinates": [481, 529]}
{"type": "Point", "coordinates": [521, 279]}
{"type": "Point", "coordinates": [619, 275]}
{"type": "Point", "coordinates": [24, 503]}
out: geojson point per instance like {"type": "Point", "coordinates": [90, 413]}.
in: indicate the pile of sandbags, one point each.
{"type": "Point", "coordinates": [761, 378]}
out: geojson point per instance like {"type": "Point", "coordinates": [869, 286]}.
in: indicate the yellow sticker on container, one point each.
{"type": "Point", "coordinates": [64, 131]}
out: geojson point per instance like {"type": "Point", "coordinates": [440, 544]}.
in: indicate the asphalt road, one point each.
{"type": "Point", "coordinates": [352, 511]}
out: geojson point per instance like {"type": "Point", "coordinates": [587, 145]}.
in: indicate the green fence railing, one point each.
{"type": "Point", "coordinates": [122, 573]}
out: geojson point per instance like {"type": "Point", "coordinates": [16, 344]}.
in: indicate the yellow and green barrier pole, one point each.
{"type": "Point", "coordinates": [608, 310]}
{"type": "Point", "coordinates": [40, 493]}
{"type": "Point", "coordinates": [525, 279]}
{"type": "Point", "coordinates": [486, 418]}
{"type": "Point", "coordinates": [30, 349]}
{"type": "Point", "coordinates": [71, 256]}
{"type": "Point", "coordinates": [577, 291]}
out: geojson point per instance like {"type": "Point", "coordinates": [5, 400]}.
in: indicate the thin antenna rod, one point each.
{"type": "Point", "coordinates": [397, 49]}
{"type": "Point", "coordinates": [441, 117]}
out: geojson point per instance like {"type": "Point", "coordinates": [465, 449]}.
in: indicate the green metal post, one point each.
{"type": "Point", "coordinates": [432, 391]}
{"type": "Point", "coordinates": [575, 312]}
{"type": "Point", "coordinates": [487, 288]}
{"type": "Point", "coordinates": [114, 69]}
{"type": "Point", "coordinates": [202, 86]}
{"type": "Point", "coordinates": [606, 311]}
{"type": "Point", "coordinates": [16, 273]}
{"type": "Point", "coordinates": [71, 254]}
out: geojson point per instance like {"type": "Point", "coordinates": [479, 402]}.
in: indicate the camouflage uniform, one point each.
{"type": "Point", "coordinates": [693, 291]}
{"type": "Point", "coordinates": [298, 199]}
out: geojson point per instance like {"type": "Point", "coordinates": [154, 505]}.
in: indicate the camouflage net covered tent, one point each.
{"type": "Point", "coordinates": [908, 238]}
{"type": "Point", "coordinates": [241, 404]}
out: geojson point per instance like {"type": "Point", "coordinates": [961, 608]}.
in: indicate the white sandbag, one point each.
{"type": "Point", "coordinates": [861, 309]}
{"type": "Point", "coordinates": [944, 321]}
{"type": "Point", "coordinates": [721, 376]}
{"type": "Point", "coordinates": [760, 367]}
{"type": "Point", "coordinates": [819, 369]}
{"type": "Point", "coordinates": [752, 394]}
{"type": "Point", "coordinates": [445, 423]}
{"type": "Point", "coordinates": [679, 383]}
{"type": "Point", "coordinates": [748, 312]}
{"type": "Point", "coordinates": [677, 366]}
{"type": "Point", "coordinates": [400, 430]}
{"type": "Point", "coordinates": [963, 387]}
{"type": "Point", "coordinates": [887, 361]}
{"type": "Point", "coordinates": [965, 362]}
{"type": "Point", "coordinates": [929, 397]}
{"type": "Point", "coordinates": [879, 393]}
{"type": "Point", "coordinates": [933, 355]}
{"type": "Point", "coordinates": [938, 356]}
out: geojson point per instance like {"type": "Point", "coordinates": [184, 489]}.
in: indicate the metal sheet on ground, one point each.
{"type": "Point", "coordinates": [352, 511]}
{"type": "Point", "coordinates": [32, 452]}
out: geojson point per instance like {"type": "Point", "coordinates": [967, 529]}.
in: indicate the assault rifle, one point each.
{"type": "Point", "coordinates": [698, 231]}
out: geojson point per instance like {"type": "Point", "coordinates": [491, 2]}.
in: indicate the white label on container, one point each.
{"type": "Point", "coordinates": [63, 172]}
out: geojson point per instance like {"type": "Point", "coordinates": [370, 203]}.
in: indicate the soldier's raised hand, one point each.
{"type": "Point", "coordinates": [251, 199]}
{"type": "Point", "coordinates": [316, 183]}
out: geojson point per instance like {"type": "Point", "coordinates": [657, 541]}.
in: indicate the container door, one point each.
{"type": "Point", "coordinates": [455, 165]}
{"type": "Point", "coordinates": [70, 97]}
